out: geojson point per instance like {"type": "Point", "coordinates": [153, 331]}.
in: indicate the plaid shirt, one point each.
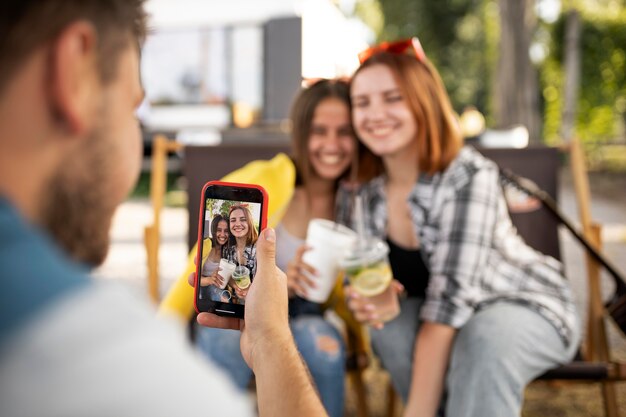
{"type": "Point", "coordinates": [470, 245]}
{"type": "Point", "coordinates": [249, 253]}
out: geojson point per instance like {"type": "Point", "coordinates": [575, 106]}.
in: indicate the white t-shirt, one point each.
{"type": "Point", "coordinates": [101, 352]}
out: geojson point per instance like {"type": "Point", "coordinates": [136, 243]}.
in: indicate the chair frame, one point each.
{"type": "Point", "coordinates": [597, 364]}
{"type": "Point", "coordinates": [161, 147]}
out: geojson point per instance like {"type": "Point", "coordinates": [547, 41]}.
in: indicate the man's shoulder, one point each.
{"type": "Point", "coordinates": [35, 273]}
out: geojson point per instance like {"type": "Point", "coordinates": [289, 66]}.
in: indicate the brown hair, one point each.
{"type": "Point", "coordinates": [253, 234]}
{"type": "Point", "coordinates": [302, 112]}
{"type": "Point", "coordinates": [26, 24]}
{"type": "Point", "coordinates": [214, 223]}
{"type": "Point", "coordinates": [438, 136]}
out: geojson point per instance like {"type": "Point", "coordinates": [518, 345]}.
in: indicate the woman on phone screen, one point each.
{"type": "Point", "coordinates": [210, 280]}
{"type": "Point", "coordinates": [242, 250]}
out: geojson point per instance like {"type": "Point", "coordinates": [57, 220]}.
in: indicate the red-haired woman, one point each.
{"type": "Point", "coordinates": [485, 313]}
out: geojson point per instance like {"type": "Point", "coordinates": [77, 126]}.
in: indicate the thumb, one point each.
{"type": "Point", "coordinates": [266, 252]}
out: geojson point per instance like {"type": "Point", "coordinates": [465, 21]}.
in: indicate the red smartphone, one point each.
{"type": "Point", "coordinates": [231, 218]}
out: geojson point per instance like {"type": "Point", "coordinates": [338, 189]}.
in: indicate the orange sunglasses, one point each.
{"type": "Point", "coordinates": [397, 48]}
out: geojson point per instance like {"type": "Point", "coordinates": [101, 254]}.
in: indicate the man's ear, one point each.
{"type": "Point", "coordinates": [74, 78]}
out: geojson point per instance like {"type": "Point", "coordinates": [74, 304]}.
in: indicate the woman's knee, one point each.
{"type": "Point", "coordinates": [319, 343]}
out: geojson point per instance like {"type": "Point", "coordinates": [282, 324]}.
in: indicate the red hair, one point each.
{"type": "Point", "coordinates": [438, 135]}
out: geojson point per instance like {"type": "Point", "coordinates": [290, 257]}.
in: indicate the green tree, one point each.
{"type": "Point", "coordinates": [601, 112]}
{"type": "Point", "coordinates": [455, 35]}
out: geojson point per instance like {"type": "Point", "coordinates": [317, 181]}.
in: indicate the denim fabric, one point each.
{"type": "Point", "coordinates": [495, 355]}
{"type": "Point", "coordinates": [327, 368]}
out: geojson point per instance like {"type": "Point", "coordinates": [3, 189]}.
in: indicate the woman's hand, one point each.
{"type": "Point", "coordinates": [213, 279]}
{"type": "Point", "coordinates": [365, 311]}
{"type": "Point", "coordinates": [219, 280]}
{"type": "Point", "coordinates": [241, 293]}
{"type": "Point", "coordinates": [297, 280]}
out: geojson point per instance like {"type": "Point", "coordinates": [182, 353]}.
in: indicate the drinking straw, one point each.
{"type": "Point", "coordinates": [359, 221]}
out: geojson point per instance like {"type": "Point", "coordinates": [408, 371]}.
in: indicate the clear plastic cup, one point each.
{"type": "Point", "coordinates": [367, 269]}
{"type": "Point", "coordinates": [241, 276]}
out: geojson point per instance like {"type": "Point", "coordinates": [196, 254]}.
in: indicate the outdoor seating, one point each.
{"type": "Point", "coordinates": [539, 228]}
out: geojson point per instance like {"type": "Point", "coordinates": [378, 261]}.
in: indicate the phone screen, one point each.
{"type": "Point", "coordinates": [232, 217]}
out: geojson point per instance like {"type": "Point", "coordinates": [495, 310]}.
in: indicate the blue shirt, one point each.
{"type": "Point", "coordinates": [33, 272]}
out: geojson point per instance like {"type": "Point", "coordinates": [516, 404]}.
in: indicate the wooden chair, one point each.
{"type": "Point", "coordinates": [161, 147]}
{"type": "Point", "coordinates": [595, 363]}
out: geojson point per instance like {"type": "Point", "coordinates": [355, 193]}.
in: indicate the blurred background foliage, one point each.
{"type": "Point", "coordinates": [462, 38]}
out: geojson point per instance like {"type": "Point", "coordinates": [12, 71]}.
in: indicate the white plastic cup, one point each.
{"type": "Point", "coordinates": [329, 242]}
{"type": "Point", "coordinates": [227, 269]}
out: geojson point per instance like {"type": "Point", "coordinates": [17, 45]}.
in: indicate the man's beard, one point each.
{"type": "Point", "coordinates": [76, 209]}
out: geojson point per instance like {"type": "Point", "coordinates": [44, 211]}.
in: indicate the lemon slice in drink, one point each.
{"type": "Point", "coordinates": [372, 281]}
{"type": "Point", "coordinates": [243, 283]}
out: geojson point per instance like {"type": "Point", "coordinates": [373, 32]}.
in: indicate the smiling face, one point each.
{"type": "Point", "coordinates": [331, 142]}
{"type": "Point", "coordinates": [221, 233]}
{"type": "Point", "coordinates": [239, 223]}
{"type": "Point", "coordinates": [381, 114]}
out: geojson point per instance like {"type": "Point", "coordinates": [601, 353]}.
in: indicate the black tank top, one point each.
{"type": "Point", "coordinates": [409, 268]}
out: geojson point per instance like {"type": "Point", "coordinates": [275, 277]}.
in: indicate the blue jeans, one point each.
{"type": "Point", "coordinates": [495, 355]}
{"type": "Point", "coordinates": [319, 343]}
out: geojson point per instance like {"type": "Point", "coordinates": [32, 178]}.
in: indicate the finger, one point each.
{"type": "Point", "coordinates": [300, 251]}
{"type": "Point", "coordinates": [299, 289]}
{"type": "Point", "coordinates": [191, 279]}
{"type": "Point", "coordinates": [308, 281]}
{"type": "Point", "coordinates": [306, 267]}
{"type": "Point", "coordinates": [362, 316]}
{"type": "Point", "coordinates": [397, 286]}
{"type": "Point", "coordinates": [377, 325]}
{"type": "Point", "coordinates": [219, 322]}
{"type": "Point", "coordinates": [266, 254]}
{"type": "Point", "coordinates": [206, 281]}
{"type": "Point", "coordinates": [351, 293]}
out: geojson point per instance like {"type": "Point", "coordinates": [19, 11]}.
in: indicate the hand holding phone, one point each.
{"type": "Point", "coordinates": [231, 218]}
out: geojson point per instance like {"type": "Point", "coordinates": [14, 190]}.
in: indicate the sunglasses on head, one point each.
{"type": "Point", "coordinates": [396, 48]}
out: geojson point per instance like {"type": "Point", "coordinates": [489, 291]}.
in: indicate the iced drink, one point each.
{"type": "Point", "coordinates": [329, 242]}
{"type": "Point", "coordinates": [227, 269]}
{"type": "Point", "coordinates": [367, 268]}
{"type": "Point", "coordinates": [241, 276]}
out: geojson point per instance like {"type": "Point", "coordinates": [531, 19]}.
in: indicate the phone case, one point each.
{"type": "Point", "coordinates": [263, 224]}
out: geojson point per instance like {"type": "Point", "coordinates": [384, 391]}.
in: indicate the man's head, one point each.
{"type": "Point", "coordinates": [70, 145]}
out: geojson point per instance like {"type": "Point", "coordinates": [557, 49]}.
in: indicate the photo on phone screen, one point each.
{"type": "Point", "coordinates": [230, 226]}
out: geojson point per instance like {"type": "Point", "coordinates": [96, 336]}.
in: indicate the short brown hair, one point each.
{"type": "Point", "coordinates": [302, 112]}
{"type": "Point", "coordinates": [26, 24]}
{"type": "Point", "coordinates": [438, 135]}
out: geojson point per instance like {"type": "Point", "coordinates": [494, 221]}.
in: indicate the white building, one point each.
{"type": "Point", "coordinates": [208, 56]}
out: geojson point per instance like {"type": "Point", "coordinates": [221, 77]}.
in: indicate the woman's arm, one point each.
{"type": "Point", "coordinates": [430, 363]}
